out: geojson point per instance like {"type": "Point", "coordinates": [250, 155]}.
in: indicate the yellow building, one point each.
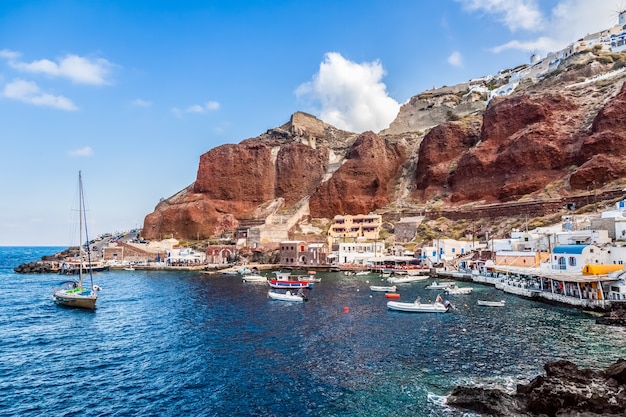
{"type": "Point", "coordinates": [348, 228]}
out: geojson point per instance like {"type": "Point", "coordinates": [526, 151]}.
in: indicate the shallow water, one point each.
{"type": "Point", "coordinates": [187, 343]}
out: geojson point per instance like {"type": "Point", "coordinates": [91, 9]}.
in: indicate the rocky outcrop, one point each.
{"type": "Point", "coordinates": [553, 138]}
{"type": "Point", "coordinates": [564, 391]}
{"type": "Point", "coordinates": [364, 182]}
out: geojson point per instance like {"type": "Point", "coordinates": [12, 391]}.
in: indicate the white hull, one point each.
{"type": "Point", "coordinates": [288, 296]}
{"type": "Point", "coordinates": [417, 307]}
{"type": "Point", "coordinates": [72, 298]}
{"type": "Point", "coordinates": [437, 286]}
{"type": "Point", "coordinates": [407, 278]}
{"type": "Point", "coordinates": [491, 303]}
{"type": "Point", "coordinates": [454, 290]}
{"type": "Point", "coordinates": [254, 278]}
{"type": "Point", "coordinates": [382, 289]}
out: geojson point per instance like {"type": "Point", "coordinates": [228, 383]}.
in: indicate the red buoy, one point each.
{"type": "Point", "coordinates": [392, 295]}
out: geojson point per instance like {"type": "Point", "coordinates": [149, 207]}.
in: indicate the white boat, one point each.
{"type": "Point", "coordinates": [407, 278]}
{"type": "Point", "coordinates": [129, 268]}
{"type": "Point", "coordinates": [310, 277]}
{"type": "Point", "coordinates": [418, 307]}
{"type": "Point", "coordinates": [362, 273]}
{"type": "Point", "coordinates": [382, 289]}
{"type": "Point", "coordinates": [437, 285]}
{"type": "Point", "coordinates": [75, 294]}
{"type": "Point", "coordinates": [253, 278]}
{"type": "Point", "coordinates": [287, 296]}
{"type": "Point", "coordinates": [491, 303]}
{"type": "Point", "coordinates": [456, 290]}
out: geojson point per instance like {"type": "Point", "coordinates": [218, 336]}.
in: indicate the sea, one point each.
{"type": "Point", "coordinates": [164, 343]}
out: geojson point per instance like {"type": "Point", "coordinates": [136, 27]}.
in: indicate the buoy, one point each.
{"type": "Point", "coordinates": [357, 290]}
{"type": "Point", "coordinates": [392, 295]}
{"type": "Point", "coordinates": [346, 309]}
{"type": "Point", "coordinates": [367, 282]}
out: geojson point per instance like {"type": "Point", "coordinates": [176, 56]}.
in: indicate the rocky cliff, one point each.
{"type": "Point", "coordinates": [556, 135]}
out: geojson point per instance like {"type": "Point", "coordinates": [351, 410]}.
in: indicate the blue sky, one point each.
{"type": "Point", "coordinates": [133, 92]}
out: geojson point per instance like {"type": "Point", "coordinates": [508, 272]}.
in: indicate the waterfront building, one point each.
{"type": "Point", "coordinates": [356, 254]}
{"type": "Point", "coordinates": [446, 250]}
{"type": "Point", "coordinates": [221, 254]}
{"type": "Point", "coordinates": [300, 253]}
{"type": "Point", "coordinates": [572, 258]}
{"type": "Point", "coordinates": [349, 228]}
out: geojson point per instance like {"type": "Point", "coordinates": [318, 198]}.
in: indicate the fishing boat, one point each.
{"type": "Point", "coordinates": [287, 284]}
{"type": "Point", "coordinates": [456, 290]}
{"type": "Point", "coordinates": [500, 303]}
{"type": "Point", "coordinates": [310, 277]}
{"type": "Point", "coordinates": [382, 288]}
{"type": "Point", "coordinates": [418, 307]}
{"type": "Point", "coordinates": [75, 294]}
{"type": "Point", "coordinates": [287, 296]}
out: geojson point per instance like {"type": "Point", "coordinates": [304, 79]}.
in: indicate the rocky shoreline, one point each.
{"type": "Point", "coordinates": [565, 391]}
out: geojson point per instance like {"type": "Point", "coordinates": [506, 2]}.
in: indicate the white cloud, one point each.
{"type": "Point", "coordinates": [141, 103]}
{"type": "Point", "coordinates": [515, 14]}
{"type": "Point", "coordinates": [455, 59]}
{"type": "Point", "coordinates": [197, 108]}
{"type": "Point", "coordinates": [29, 92]}
{"type": "Point", "coordinates": [351, 95]}
{"type": "Point", "coordinates": [82, 152]}
{"type": "Point", "coordinates": [77, 69]}
{"type": "Point", "coordinates": [551, 30]}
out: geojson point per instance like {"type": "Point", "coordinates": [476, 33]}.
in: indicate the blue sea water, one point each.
{"type": "Point", "coordinates": [187, 343]}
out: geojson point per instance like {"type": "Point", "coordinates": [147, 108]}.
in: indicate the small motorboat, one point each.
{"type": "Point", "coordinates": [253, 278]}
{"type": "Point", "coordinates": [287, 296]}
{"type": "Point", "coordinates": [382, 289]}
{"type": "Point", "coordinates": [500, 303]}
{"type": "Point", "coordinates": [437, 285]}
{"type": "Point", "coordinates": [418, 307]}
{"type": "Point", "coordinates": [456, 290]}
{"type": "Point", "coordinates": [310, 277]}
{"type": "Point", "coordinates": [407, 278]}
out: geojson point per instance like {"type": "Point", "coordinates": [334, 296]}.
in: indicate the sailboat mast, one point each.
{"type": "Point", "coordinates": [83, 220]}
{"type": "Point", "coordinates": [80, 229]}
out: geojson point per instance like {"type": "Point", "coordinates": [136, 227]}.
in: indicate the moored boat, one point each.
{"type": "Point", "coordinates": [418, 307]}
{"type": "Point", "coordinates": [406, 278]}
{"type": "Point", "coordinates": [382, 288]}
{"type": "Point", "coordinates": [287, 296]}
{"type": "Point", "coordinates": [278, 283]}
{"type": "Point", "coordinates": [437, 285]}
{"type": "Point", "coordinates": [253, 278]}
{"type": "Point", "coordinates": [456, 290]}
{"type": "Point", "coordinates": [500, 303]}
{"type": "Point", "coordinates": [74, 294]}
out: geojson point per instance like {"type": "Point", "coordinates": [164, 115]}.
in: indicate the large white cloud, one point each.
{"type": "Point", "coordinates": [77, 69]}
{"type": "Point", "coordinates": [29, 92]}
{"type": "Point", "coordinates": [352, 96]}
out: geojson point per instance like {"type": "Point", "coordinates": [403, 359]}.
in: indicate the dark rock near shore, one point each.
{"type": "Point", "coordinates": [615, 317]}
{"type": "Point", "coordinates": [48, 263]}
{"type": "Point", "coordinates": [564, 391]}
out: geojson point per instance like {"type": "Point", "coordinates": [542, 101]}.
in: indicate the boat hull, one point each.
{"type": "Point", "coordinates": [407, 278]}
{"type": "Point", "coordinates": [286, 296]}
{"type": "Point", "coordinates": [383, 289]}
{"type": "Point", "coordinates": [253, 278]}
{"type": "Point", "coordinates": [289, 284]}
{"type": "Point", "coordinates": [417, 307]}
{"type": "Point", "coordinates": [86, 299]}
{"type": "Point", "coordinates": [491, 303]}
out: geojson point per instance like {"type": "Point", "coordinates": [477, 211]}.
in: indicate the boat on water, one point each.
{"type": "Point", "coordinates": [75, 294]}
{"type": "Point", "coordinates": [418, 307]}
{"type": "Point", "coordinates": [456, 290]}
{"type": "Point", "coordinates": [287, 284]}
{"type": "Point", "coordinates": [382, 288]}
{"type": "Point", "coordinates": [253, 278]}
{"type": "Point", "coordinates": [310, 277]}
{"type": "Point", "coordinates": [360, 273]}
{"type": "Point", "coordinates": [407, 278]}
{"type": "Point", "coordinates": [287, 296]}
{"type": "Point", "coordinates": [500, 303]}
{"type": "Point", "coordinates": [437, 285]}
{"type": "Point", "coordinates": [76, 266]}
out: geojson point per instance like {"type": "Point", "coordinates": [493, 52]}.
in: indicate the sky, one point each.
{"type": "Point", "coordinates": [131, 93]}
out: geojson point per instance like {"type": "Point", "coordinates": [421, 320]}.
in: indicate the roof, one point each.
{"type": "Point", "coordinates": [569, 249]}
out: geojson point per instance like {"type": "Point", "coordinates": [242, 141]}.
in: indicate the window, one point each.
{"type": "Point", "coordinates": [562, 262]}
{"type": "Point", "coordinates": [572, 261]}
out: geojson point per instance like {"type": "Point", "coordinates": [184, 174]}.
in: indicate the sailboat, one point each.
{"type": "Point", "coordinates": [75, 294]}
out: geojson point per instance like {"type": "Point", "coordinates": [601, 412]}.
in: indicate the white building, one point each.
{"type": "Point", "coordinates": [357, 253]}
{"type": "Point", "coordinates": [573, 258]}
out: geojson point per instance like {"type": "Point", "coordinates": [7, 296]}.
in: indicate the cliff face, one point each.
{"type": "Point", "coordinates": [553, 137]}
